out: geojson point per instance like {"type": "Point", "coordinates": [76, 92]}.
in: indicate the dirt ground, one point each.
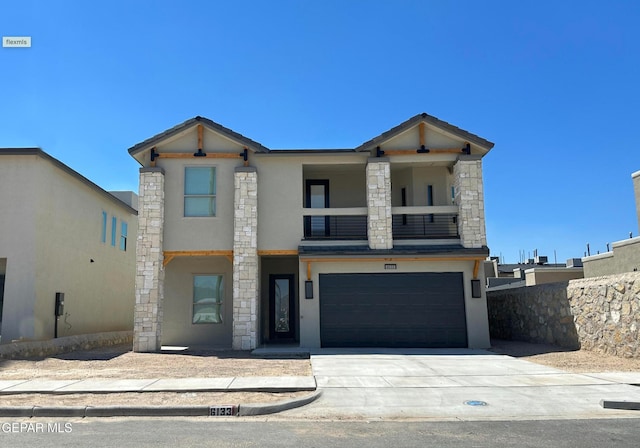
{"type": "Point", "coordinates": [575, 361]}
{"type": "Point", "coordinates": [121, 362]}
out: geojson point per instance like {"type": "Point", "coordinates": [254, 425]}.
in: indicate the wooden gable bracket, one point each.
{"type": "Point", "coordinates": [476, 266]}
{"type": "Point", "coordinates": [200, 152]}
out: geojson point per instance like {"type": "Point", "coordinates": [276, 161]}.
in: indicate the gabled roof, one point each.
{"type": "Point", "coordinates": [230, 134]}
{"type": "Point", "coordinates": [55, 162]}
{"type": "Point", "coordinates": [423, 117]}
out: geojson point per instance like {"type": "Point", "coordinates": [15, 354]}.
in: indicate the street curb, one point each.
{"type": "Point", "coordinates": [268, 408]}
{"type": "Point", "coordinates": [623, 405]}
{"type": "Point", "coordinates": [244, 410]}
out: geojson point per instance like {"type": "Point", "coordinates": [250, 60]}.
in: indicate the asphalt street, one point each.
{"type": "Point", "coordinates": [203, 432]}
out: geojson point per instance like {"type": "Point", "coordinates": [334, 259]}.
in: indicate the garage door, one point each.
{"type": "Point", "coordinates": [392, 310]}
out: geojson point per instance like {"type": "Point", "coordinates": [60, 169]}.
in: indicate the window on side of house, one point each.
{"type": "Point", "coordinates": [208, 294]}
{"type": "Point", "coordinates": [103, 232]}
{"type": "Point", "coordinates": [114, 225]}
{"type": "Point", "coordinates": [199, 191]}
{"type": "Point", "coordinates": [123, 235]}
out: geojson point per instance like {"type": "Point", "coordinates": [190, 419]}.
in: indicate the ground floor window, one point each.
{"type": "Point", "coordinates": [208, 294]}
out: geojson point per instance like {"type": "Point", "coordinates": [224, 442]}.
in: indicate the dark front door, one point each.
{"type": "Point", "coordinates": [281, 306]}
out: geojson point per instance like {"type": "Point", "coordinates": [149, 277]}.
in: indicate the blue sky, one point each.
{"type": "Point", "coordinates": [555, 84]}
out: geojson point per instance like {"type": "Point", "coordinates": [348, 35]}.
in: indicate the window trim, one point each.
{"type": "Point", "coordinates": [213, 196]}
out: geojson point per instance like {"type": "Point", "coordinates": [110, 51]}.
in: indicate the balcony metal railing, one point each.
{"type": "Point", "coordinates": [335, 227]}
{"type": "Point", "coordinates": [425, 226]}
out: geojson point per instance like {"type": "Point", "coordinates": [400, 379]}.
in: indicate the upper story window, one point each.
{"type": "Point", "coordinates": [123, 235]}
{"type": "Point", "coordinates": [114, 225]}
{"type": "Point", "coordinates": [200, 191]}
{"type": "Point", "coordinates": [103, 233]}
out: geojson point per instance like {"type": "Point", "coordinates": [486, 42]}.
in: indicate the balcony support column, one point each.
{"type": "Point", "coordinates": [469, 197]}
{"type": "Point", "coordinates": [379, 216]}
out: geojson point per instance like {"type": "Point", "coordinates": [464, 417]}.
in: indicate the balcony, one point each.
{"type": "Point", "coordinates": [439, 222]}
{"type": "Point", "coordinates": [335, 223]}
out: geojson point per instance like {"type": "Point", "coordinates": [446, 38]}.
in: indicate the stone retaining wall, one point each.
{"type": "Point", "coordinates": [39, 349]}
{"type": "Point", "coordinates": [600, 314]}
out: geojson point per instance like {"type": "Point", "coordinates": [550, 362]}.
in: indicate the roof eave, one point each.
{"type": "Point", "coordinates": [210, 124]}
{"type": "Point", "coordinates": [424, 117]}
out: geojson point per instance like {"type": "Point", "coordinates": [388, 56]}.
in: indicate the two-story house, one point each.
{"type": "Point", "coordinates": [67, 250]}
{"type": "Point", "coordinates": [376, 246]}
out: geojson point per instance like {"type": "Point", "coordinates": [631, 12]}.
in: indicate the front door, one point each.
{"type": "Point", "coordinates": [281, 306]}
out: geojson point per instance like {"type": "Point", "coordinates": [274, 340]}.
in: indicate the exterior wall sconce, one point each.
{"type": "Point", "coordinates": [476, 291]}
{"type": "Point", "coordinates": [308, 289]}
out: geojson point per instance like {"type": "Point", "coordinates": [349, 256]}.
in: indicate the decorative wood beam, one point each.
{"type": "Point", "coordinates": [308, 270]}
{"type": "Point", "coordinates": [186, 155]}
{"type": "Point", "coordinates": [262, 253]}
{"type": "Point", "coordinates": [315, 259]}
{"type": "Point", "coordinates": [421, 130]}
{"type": "Point", "coordinates": [200, 135]}
{"type": "Point", "coordinates": [171, 254]}
{"type": "Point", "coordinates": [476, 266]}
{"type": "Point", "coordinates": [399, 152]}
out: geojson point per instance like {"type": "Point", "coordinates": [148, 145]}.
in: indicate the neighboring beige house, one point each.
{"type": "Point", "coordinates": [61, 233]}
{"type": "Point", "coordinates": [624, 255]}
{"type": "Point", "coordinates": [376, 246]}
{"type": "Point", "coordinates": [535, 271]}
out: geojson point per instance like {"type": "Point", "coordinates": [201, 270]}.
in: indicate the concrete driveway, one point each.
{"type": "Point", "coordinates": [457, 384]}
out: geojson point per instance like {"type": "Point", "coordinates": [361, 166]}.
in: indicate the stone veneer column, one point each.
{"type": "Point", "coordinates": [147, 326]}
{"type": "Point", "coordinates": [245, 259]}
{"type": "Point", "coordinates": [379, 203]}
{"type": "Point", "coordinates": [469, 197]}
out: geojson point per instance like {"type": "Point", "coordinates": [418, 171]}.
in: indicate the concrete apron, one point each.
{"type": "Point", "coordinates": [458, 385]}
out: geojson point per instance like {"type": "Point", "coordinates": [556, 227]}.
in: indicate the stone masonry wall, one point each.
{"type": "Point", "coordinates": [601, 314]}
{"type": "Point", "coordinates": [147, 323]}
{"type": "Point", "coordinates": [379, 203]}
{"type": "Point", "coordinates": [245, 259]}
{"type": "Point", "coordinates": [469, 197]}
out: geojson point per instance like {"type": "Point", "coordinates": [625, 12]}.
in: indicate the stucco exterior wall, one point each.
{"type": "Point", "coordinates": [198, 233]}
{"type": "Point", "coordinates": [625, 257]}
{"type": "Point", "coordinates": [49, 239]}
{"type": "Point", "coordinates": [20, 252]}
{"type": "Point", "coordinates": [538, 276]}
{"type": "Point", "coordinates": [99, 295]}
{"type": "Point", "coordinates": [600, 314]}
{"type": "Point", "coordinates": [347, 186]}
{"type": "Point", "coordinates": [475, 309]}
{"type": "Point", "coordinates": [177, 326]}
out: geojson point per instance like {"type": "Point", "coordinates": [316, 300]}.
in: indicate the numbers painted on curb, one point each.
{"type": "Point", "coordinates": [223, 411]}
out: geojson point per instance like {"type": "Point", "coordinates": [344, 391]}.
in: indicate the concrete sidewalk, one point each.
{"type": "Point", "coordinates": [105, 386]}
{"type": "Point", "coordinates": [237, 384]}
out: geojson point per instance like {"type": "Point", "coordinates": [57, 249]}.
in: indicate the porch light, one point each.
{"type": "Point", "coordinates": [476, 293]}
{"type": "Point", "coordinates": [308, 289]}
